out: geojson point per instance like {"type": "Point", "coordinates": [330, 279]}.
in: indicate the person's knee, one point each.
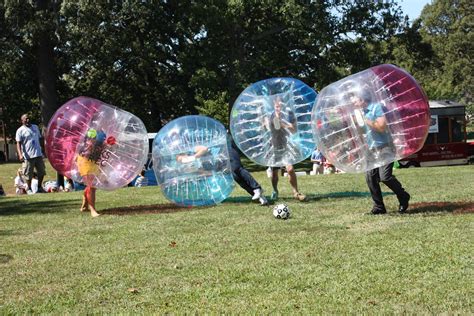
{"type": "Point", "coordinates": [290, 168]}
{"type": "Point", "coordinates": [385, 179]}
{"type": "Point", "coordinates": [236, 169]}
{"type": "Point", "coordinates": [28, 174]}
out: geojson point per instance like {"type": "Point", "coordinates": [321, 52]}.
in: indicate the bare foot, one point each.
{"type": "Point", "coordinates": [93, 212]}
{"type": "Point", "coordinates": [83, 208]}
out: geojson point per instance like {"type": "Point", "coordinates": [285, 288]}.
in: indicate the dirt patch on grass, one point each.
{"type": "Point", "coordinates": [145, 209]}
{"type": "Point", "coordinates": [456, 208]}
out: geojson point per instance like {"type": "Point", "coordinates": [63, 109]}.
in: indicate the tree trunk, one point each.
{"type": "Point", "coordinates": [46, 77]}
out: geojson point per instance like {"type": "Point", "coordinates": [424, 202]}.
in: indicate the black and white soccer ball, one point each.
{"type": "Point", "coordinates": [281, 211]}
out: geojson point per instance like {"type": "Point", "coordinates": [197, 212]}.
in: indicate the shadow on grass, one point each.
{"type": "Point", "coordinates": [24, 206]}
{"type": "Point", "coordinates": [309, 197]}
{"type": "Point", "coordinates": [146, 209]}
{"type": "Point", "coordinates": [4, 258]}
{"type": "Point", "coordinates": [456, 208]}
{"type": "Point", "coordinates": [341, 195]}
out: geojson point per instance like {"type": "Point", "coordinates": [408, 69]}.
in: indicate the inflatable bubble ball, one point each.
{"type": "Point", "coordinates": [97, 144]}
{"type": "Point", "coordinates": [271, 121]}
{"type": "Point", "coordinates": [191, 161]}
{"type": "Point", "coordinates": [371, 118]}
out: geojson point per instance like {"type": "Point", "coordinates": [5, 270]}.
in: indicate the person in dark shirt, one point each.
{"type": "Point", "coordinates": [282, 125]}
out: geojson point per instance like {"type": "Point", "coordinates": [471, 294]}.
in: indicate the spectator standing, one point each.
{"type": "Point", "coordinates": [28, 147]}
{"type": "Point", "coordinates": [318, 161]}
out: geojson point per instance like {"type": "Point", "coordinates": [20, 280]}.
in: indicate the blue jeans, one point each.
{"type": "Point", "coordinates": [240, 174]}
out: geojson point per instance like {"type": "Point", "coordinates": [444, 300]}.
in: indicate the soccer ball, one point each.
{"type": "Point", "coordinates": [281, 211]}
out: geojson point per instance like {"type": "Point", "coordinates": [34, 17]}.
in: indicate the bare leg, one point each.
{"type": "Point", "coordinates": [292, 178]}
{"type": "Point", "coordinates": [92, 203]}
{"type": "Point", "coordinates": [85, 203]}
{"type": "Point", "coordinates": [294, 183]}
{"type": "Point", "coordinates": [275, 180]}
{"type": "Point", "coordinates": [89, 194]}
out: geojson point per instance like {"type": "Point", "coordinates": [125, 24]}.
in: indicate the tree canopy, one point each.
{"type": "Point", "coordinates": [163, 59]}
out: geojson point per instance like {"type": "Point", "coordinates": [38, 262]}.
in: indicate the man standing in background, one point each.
{"type": "Point", "coordinates": [29, 151]}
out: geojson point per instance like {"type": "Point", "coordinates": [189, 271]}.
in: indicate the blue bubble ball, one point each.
{"type": "Point", "coordinates": [191, 161]}
{"type": "Point", "coordinates": [271, 121]}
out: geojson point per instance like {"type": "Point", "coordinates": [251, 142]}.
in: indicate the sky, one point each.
{"type": "Point", "coordinates": [413, 8]}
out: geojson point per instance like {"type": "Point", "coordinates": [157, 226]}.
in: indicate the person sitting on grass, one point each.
{"type": "Point", "coordinates": [50, 186]}
{"type": "Point", "coordinates": [20, 184]}
{"type": "Point", "coordinates": [141, 181]}
{"type": "Point", "coordinates": [68, 185]}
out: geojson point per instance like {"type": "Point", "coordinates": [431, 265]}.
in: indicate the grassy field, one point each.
{"type": "Point", "coordinates": [144, 255]}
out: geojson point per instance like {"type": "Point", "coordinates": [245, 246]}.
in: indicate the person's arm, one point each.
{"type": "Point", "coordinates": [379, 125]}
{"type": "Point", "coordinates": [266, 122]}
{"type": "Point", "coordinates": [291, 125]}
{"type": "Point", "coordinates": [18, 145]}
{"type": "Point", "coordinates": [200, 151]}
{"type": "Point", "coordinates": [18, 150]}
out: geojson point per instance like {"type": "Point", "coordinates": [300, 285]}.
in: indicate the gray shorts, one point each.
{"type": "Point", "coordinates": [32, 164]}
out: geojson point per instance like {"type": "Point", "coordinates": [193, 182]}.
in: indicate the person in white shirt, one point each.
{"type": "Point", "coordinates": [29, 151]}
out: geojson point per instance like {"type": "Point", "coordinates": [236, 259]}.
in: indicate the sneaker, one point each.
{"type": "Point", "coordinates": [29, 192]}
{"type": "Point", "coordinates": [263, 201]}
{"type": "Point", "coordinates": [257, 194]}
{"type": "Point", "coordinates": [300, 197]}
{"type": "Point", "coordinates": [40, 190]}
{"type": "Point", "coordinates": [274, 195]}
{"type": "Point", "coordinates": [377, 211]}
{"type": "Point", "coordinates": [402, 208]}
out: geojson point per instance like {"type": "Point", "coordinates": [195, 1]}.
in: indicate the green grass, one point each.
{"type": "Point", "coordinates": [236, 258]}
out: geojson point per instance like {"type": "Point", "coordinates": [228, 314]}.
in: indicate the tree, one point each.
{"type": "Point", "coordinates": [18, 79]}
{"type": "Point", "coordinates": [164, 59]}
{"type": "Point", "coordinates": [317, 42]}
{"type": "Point", "coordinates": [447, 26]}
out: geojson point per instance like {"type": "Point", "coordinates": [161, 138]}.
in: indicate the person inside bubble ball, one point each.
{"type": "Point", "coordinates": [379, 143]}
{"type": "Point", "coordinates": [88, 156]}
{"type": "Point", "coordinates": [239, 173]}
{"type": "Point", "coordinates": [282, 125]}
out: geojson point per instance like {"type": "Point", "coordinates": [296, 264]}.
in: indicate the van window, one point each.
{"type": "Point", "coordinates": [457, 128]}
{"type": "Point", "coordinates": [443, 130]}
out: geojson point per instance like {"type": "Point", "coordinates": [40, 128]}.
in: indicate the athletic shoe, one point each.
{"type": "Point", "coordinates": [274, 195]}
{"type": "Point", "coordinates": [377, 211]}
{"type": "Point", "coordinates": [263, 201]}
{"type": "Point", "coordinates": [257, 194]}
{"type": "Point", "coordinates": [402, 208]}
